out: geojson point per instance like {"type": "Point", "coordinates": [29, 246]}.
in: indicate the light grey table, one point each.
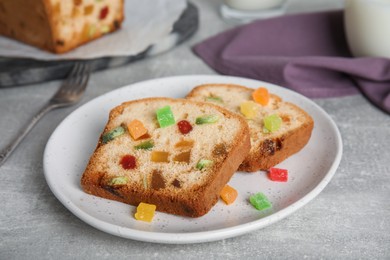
{"type": "Point", "coordinates": [350, 219]}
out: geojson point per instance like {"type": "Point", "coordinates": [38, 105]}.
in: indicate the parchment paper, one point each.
{"type": "Point", "coordinates": [145, 23]}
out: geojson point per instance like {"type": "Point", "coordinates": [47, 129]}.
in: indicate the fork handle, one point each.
{"type": "Point", "coordinates": [23, 132]}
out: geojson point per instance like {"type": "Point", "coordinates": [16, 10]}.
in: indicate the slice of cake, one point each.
{"type": "Point", "coordinates": [176, 154]}
{"type": "Point", "coordinates": [278, 129]}
{"type": "Point", "coordinates": [59, 26]}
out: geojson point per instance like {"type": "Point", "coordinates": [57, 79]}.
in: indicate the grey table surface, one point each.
{"type": "Point", "coordinates": [349, 219]}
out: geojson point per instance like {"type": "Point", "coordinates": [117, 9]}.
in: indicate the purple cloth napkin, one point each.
{"type": "Point", "coordinates": [307, 53]}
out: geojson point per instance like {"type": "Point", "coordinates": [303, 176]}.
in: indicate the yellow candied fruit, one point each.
{"type": "Point", "coordinates": [228, 194]}
{"type": "Point", "coordinates": [158, 156]}
{"type": "Point", "coordinates": [91, 31]}
{"type": "Point", "coordinates": [105, 29]}
{"type": "Point", "coordinates": [145, 212]}
{"type": "Point", "coordinates": [249, 109]}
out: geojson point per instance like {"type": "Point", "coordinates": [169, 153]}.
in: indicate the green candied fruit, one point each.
{"type": "Point", "coordinates": [203, 163]}
{"type": "Point", "coordinates": [260, 201]}
{"type": "Point", "coordinates": [165, 116]}
{"type": "Point", "coordinates": [145, 181]}
{"type": "Point", "coordinates": [114, 133]}
{"type": "Point", "coordinates": [120, 180]}
{"type": "Point", "coordinates": [214, 99]}
{"type": "Point", "coordinates": [209, 119]}
{"type": "Point", "coordinates": [147, 145]}
{"type": "Point", "coordinates": [272, 123]}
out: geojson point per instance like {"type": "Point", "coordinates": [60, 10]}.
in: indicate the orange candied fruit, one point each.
{"type": "Point", "coordinates": [136, 129]}
{"type": "Point", "coordinates": [183, 157]}
{"type": "Point", "coordinates": [88, 9]}
{"type": "Point", "coordinates": [145, 212]}
{"type": "Point", "coordinates": [261, 96]}
{"type": "Point", "coordinates": [185, 144]}
{"type": "Point", "coordinates": [228, 194]}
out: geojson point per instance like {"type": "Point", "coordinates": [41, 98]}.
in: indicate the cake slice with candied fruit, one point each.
{"type": "Point", "coordinates": [278, 128]}
{"type": "Point", "coordinates": [175, 154]}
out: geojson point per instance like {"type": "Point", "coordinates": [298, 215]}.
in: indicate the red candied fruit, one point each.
{"type": "Point", "coordinates": [103, 13]}
{"type": "Point", "coordinates": [128, 162]}
{"type": "Point", "coordinates": [277, 174]}
{"type": "Point", "coordinates": [184, 126]}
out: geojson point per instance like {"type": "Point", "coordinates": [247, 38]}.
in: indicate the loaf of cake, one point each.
{"type": "Point", "coordinates": [176, 154]}
{"type": "Point", "coordinates": [57, 25]}
{"type": "Point", "coordinates": [289, 127]}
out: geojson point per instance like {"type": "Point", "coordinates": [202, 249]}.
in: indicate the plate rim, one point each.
{"type": "Point", "coordinates": [199, 236]}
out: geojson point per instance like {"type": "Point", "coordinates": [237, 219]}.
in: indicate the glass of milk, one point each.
{"type": "Point", "coordinates": [248, 10]}
{"type": "Point", "coordinates": [367, 25]}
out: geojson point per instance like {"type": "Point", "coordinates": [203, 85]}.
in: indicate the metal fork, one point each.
{"type": "Point", "coordinates": [68, 94]}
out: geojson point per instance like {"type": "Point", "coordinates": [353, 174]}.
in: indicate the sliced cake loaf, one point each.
{"type": "Point", "coordinates": [59, 26]}
{"type": "Point", "coordinates": [174, 153]}
{"type": "Point", "coordinates": [290, 131]}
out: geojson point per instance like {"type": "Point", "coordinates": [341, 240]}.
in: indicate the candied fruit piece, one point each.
{"type": "Point", "coordinates": [249, 109]}
{"type": "Point", "coordinates": [183, 157]}
{"type": "Point", "coordinates": [147, 145]}
{"type": "Point", "coordinates": [111, 135]}
{"type": "Point", "coordinates": [75, 11]}
{"type": "Point", "coordinates": [117, 181]}
{"type": "Point", "coordinates": [220, 150]}
{"type": "Point", "coordinates": [277, 174]}
{"type": "Point", "coordinates": [88, 9]}
{"type": "Point", "coordinates": [228, 194]}
{"type": "Point", "coordinates": [145, 212]}
{"type": "Point", "coordinates": [159, 156]}
{"type": "Point", "coordinates": [145, 181]}
{"type": "Point", "coordinates": [56, 8]}
{"type": "Point", "coordinates": [214, 99]}
{"type": "Point", "coordinates": [165, 116]}
{"type": "Point", "coordinates": [85, 31]}
{"type": "Point", "coordinates": [203, 163]}
{"type": "Point", "coordinates": [272, 123]}
{"type": "Point", "coordinates": [105, 29]}
{"type": "Point", "coordinates": [128, 162]}
{"type": "Point", "coordinates": [260, 201]}
{"type": "Point", "coordinates": [184, 127]}
{"type": "Point", "coordinates": [92, 31]}
{"type": "Point", "coordinates": [185, 144]}
{"type": "Point", "coordinates": [103, 13]}
{"type": "Point", "coordinates": [208, 119]}
{"type": "Point", "coordinates": [136, 129]}
{"type": "Point", "coordinates": [158, 180]}
{"type": "Point", "coordinates": [176, 183]}
{"type": "Point", "coordinates": [261, 96]}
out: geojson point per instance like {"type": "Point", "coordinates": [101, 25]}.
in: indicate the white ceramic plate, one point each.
{"type": "Point", "coordinates": [70, 146]}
